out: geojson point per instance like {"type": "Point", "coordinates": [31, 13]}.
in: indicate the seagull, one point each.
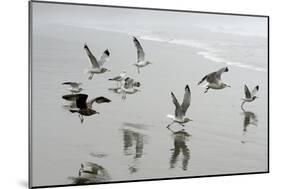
{"type": "Point", "coordinates": [214, 80]}
{"type": "Point", "coordinates": [119, 78]}
{"type": "Point", "coordinates": [75, 87]}
{"type": "Point", "coordinates": [97, 66]}
{"type": "Point", "coordinates": [126, 84]}
{"type": "Point", "coordinates": [84, 107]}
{"type": "Point", "coordinates": [141, 62]}
{"type": "Point", "coordinates": [128, 87]}
{"type": "Point", "coordinates": [249, 97]}
{"type": "Point", "coordinates": [180, 110]}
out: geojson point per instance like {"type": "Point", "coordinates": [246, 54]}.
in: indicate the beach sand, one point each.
{"type": "Point", "coordinates": [131, 134]}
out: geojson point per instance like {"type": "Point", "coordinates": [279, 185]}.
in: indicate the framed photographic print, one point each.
{"type": "Point", "coordinates": [122, 94]}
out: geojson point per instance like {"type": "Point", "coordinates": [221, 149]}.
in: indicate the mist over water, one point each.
{"type": "Point", "coordinates": [129, 140]}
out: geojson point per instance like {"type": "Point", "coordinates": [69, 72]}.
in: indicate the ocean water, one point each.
{"type": "Point", "coordinates": [129, 140]}
{"type": "Point", "coordinates": [248, 51]}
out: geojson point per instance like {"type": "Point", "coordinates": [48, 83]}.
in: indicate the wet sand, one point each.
{"type": "Point", "coordinates": [129, 139]}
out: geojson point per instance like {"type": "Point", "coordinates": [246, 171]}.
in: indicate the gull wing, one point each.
{"type": "Point", "coordinates": [70, 97]}
{"type": "Point", "coordinates": [115, 78]}
{"type": "Point", "coordinates": [140, 51]}
{"type": "Point", "coordinates": [176, 103]}
{"type": "Point", "coordinates": [92, 58]}
{"type": "Point", "coordinates": [72, 84]}
{"type": "Point", "coordinates": [255, 90]}
{"type": "Point", "coordinates": [81, 101]}
{"type": "Point", "coordinates": [247, 92]}
{"type": "Point", "coordinates": [220, 71]}
{"type": "Point", "coordinates": [104, 57]}
{"type": "Point", "coordinates": [212, 78]}
{"type": "Point", "coordinates": [186, 100]}
{"type": "Point", "coordinates": [215, 77]}
{"type": "Point", "coordinates": [98, 100]}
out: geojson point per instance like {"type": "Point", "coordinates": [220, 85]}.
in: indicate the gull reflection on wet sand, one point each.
{"type": "Point", "coordinates": [90, 173]}
{"type": "Point", "coordinates": [250, 118]}
{"type": "Point", "coordinates": [180, 138]}
{"type": "Point", "coordinates": [133, 144]}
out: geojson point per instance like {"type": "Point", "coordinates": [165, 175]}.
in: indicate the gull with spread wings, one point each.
{"type": "Point", "coordinates": [75, 87]}
{"type": "Point", "coordinates": [84, 107]}
{"type": "Point", "coordinates": [181, 109]}
{"type": "Point", "coordinates": [214, 80]}
{"type": "Point", "coordinates": [249, 96]}
{"type": "Point", "coordinates": [141, 62]}
{"type": "Point", "coordinates": [96, 65]}
{"type": "Point", "coordinates": [128, 87]}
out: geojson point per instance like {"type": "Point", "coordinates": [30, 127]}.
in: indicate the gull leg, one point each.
{"type": "Point", "coordinates": [81, 117]}
{"type": "Point", "coordinates": [206, 90]}
{"type": "Point", "coordinates": [138, 70]}
{"type": "Point", "coordinates": [242, 106]}
{"type": "Point", "coordinates": [124, 96]}
{"type": "Point", "coordinates": [91, 76]}
{"type": "Point", "coordinates": [170, 129]}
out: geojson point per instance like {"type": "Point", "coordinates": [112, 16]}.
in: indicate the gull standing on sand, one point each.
{"type": "Point", "coordinates": [141, 62]}
{"type": "Point", "coordinates": [249, 96]}
{"type": "Point", "coordinates": [97, 66]}
{"type": "Point", "coordinates": [75, 87]}
{"type": "Point", "coordinates": [180, 110]}
{"type": "Point", "coordinates": [214, 80]}
{"type": "Point", "coordinates": [119, 78]}
{"type": "Point", "coordinates": [84, 106]}
{"type": "Point", "coordinates": [128, 87]}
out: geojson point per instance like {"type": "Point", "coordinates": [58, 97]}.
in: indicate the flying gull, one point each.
{"type": "Point", "coordinates": [214, 80]}
{"type": "Point", "coordinates": [128, 87]}
{"type": "Point", "coordinates": [249, 96]}
{"type": "Point", "coordinates": [141, 62]}
{"type": "Point", "coordinates": [97, 66]}
{"type": "Point", "coordinates": [75, 87]}
{"type": "Point", "coordinates": [84, 107]}
{"type": "Point", "coordinates": [180, 110]}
